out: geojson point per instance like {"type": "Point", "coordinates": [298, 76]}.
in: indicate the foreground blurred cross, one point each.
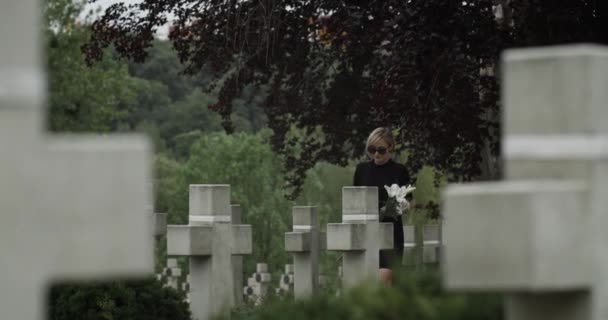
{"type": "Point", "coordinates": [540, 235]}
{"type": "Point", "coordinates": [70, 207]}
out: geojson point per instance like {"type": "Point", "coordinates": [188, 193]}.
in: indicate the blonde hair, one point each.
{"type": "Point", "coordinates": [380, 134]}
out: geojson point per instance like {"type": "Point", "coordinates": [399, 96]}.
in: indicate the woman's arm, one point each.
{"type": "Point", "coordinates": [356, 177]}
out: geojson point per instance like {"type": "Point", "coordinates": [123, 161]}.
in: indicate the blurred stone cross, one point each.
{"type": "Point", "coordinates": [540, 235]}
{"type": "Point", "coordinates": [72, 207]}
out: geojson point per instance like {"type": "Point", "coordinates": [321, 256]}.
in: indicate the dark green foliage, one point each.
{"type": "Point", "coordinates": [413, 297]}
{"type": "Point", "coordinates": [427, 68]}
{"type": "Point", "coordinates": [81, 98]}
{"type": "Point", "coordinates": [130, 300]}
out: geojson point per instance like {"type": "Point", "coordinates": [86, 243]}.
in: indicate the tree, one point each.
{"type": "Point", "coordinates": [164, 67]}
{"type": "Point", "coordinates": [247, 163]}
{"type": "Point", "coordinates": [337, 69]}
{"type": "Point", "coordinates": [81, 98]}
{"type": "Point", "coordinates": [135, 300]}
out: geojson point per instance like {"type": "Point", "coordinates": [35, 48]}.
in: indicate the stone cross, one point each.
{"type": "Point", "coordinates": [286, 280]}
{"type": "Point", "coordinates": [186, 288]}
{"type": "Point", "coordinates": [539, 236]}
{"type": "Point", "coordinates": [262, 277]}
{"type": "Point", "coordinates": [252, 290]}
{"type": "Point", "coordinates": [172, 272]}
{"type": "Point", "coordinates": [257, 284]}
{"type": "Point", "coordinates": [160, 224]}
{"type": "Point", "coordinates": [210, 240]}
{"type": "Point", "coordinates": [237, 261]}
{"type": "Point", "coordinates": [305, 243]}
{"type": "Point", "coordinates": [72, 207]}
{"type": "Point", "coordinates": [360, 236]}
{"type": "Point", "coordinates": [429, 243]}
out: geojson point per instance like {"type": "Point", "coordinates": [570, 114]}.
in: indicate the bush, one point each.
{"type": "Point", "coordinates": [119, 300]}
{"type": "Point", "coordinates": [416, 296]}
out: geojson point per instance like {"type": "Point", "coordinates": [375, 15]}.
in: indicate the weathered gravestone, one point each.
{"type": "Point", "coordinates": [262, 277]}
{"type": "Point", "coordinates": [360, 236]}
{"type": "Point", "coordinates": [159, 224]}
{"type": "Point", "coordinates": [72, 207]}
{"type": "Point", "coordinates": [305, 242]}
{"type": "Point", "coordinates": [539, 236]}
{"type": "Point", "coordinates": [237, 261]}
{"type": "Point", "coordinates": [257, 285]}
{"type": "Point", "coordinates": [210, 240]}
{"type": "Point", "coordinates": [422, 245]}
{"type": "Point", "coordinates": [286, 280]}
{"type": "Point", "coordinates": [172, 273]}
{"type": "Point", "coordinates": [186, 288]}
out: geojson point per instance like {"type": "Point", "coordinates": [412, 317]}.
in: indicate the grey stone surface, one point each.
{"type": "Point", "coordinates": [209, 202]}
{"type": "Point", "coordinates": [237, 261]}
{"type": "Point", "coordinates": [210, 240]}
{"type": "Point", "coordinates": [528, 233]}
{"type": "Point", "coordinates": [554, 90]}
{"type": "Point", "coordinates": [298, 242]}
{"type": "Point", "coordinates": [542, 238]}
{"type": "Point", "coordinates": [160, 224]}
{"type": "Point", "coordinates": [359, 203]}
{"type": "Point", "coordinates": [432, 245]}
{"type": "Point", "coordinates": [172, 273]}
{"type": "Point", "coordinates": [186, 240]}
{"type": "Point", "coordinates": [360, 236]}
{"type": "Point", "coordinates": [286, 280]}
{"type": "Point", "coordinates": [258, 284]}
{"type": "Point", "coordinates": [73, 207]}
{"type": "Point", "coordinates": [172, 263]}
{"type": "Point", "coordinates": [304, 243]}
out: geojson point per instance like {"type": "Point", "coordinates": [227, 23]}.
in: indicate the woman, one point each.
{"type": "Point", "coordinates": [378, 172]}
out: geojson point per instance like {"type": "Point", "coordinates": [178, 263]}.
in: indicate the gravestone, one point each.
{"type": "Point", "coordinates": [210, 240]}
{"type": "Point", "coordinates": [257, 285]}
{"type": "Point", "coordinates": [429, 241]}
{"type": "Point", "coordinates": [286, 280]}
{"type": "Point", "coordinates": [360, 236]}
{"type": "Point", "coordinates": [237, 261]}
{"type": "Point", "coordinates": [262, 277]}
{"type": "Point", "coordinates": [72, 206]}
{"type": "Point", "coordinates": [539, 235]}
{"type": "Point", "coordinates": [252, 291]}
{"type": "Point", "coordinates": [160, 224]}
{"type": "Point", "coordinates": [186, 288]}
{"type": "Point", "coordinates": [305, 243]}
{"type": "Point", "coordinates": [172, 273]}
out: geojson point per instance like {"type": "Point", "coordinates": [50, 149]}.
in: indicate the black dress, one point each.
{"type": "Point", "coordinates": [372, 175]}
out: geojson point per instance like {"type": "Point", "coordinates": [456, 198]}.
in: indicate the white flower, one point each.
{"type": "Point", "coordinates": [402, 206]}
{"type": "Point", "coordinates": [399, 194]}
{"type": "Point", "coordinates": [392, 191]}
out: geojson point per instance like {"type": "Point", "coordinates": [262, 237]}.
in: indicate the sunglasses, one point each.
{"type": "Point", "coordinates": [373, 150]}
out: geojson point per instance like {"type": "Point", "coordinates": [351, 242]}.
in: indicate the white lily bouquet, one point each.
{"type": "Point", "coordinates": [396, 203]}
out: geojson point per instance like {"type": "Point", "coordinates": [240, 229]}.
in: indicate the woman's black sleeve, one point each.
{"type": "Point", "coordinates": [357, 177]}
